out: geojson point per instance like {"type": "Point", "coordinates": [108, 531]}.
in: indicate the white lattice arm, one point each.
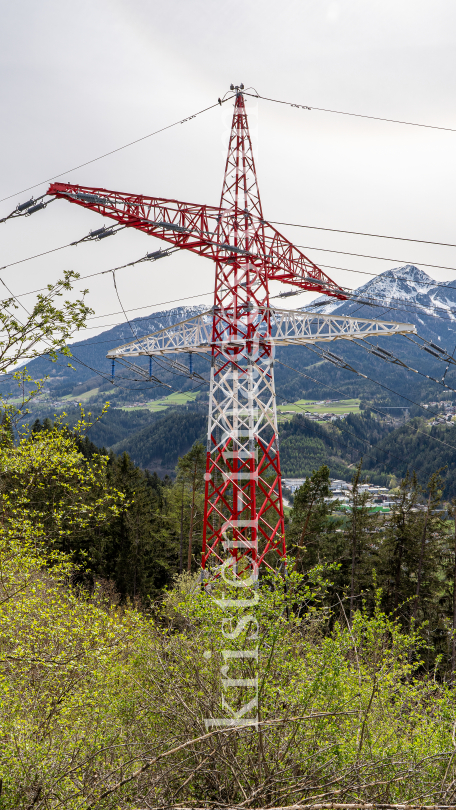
{"type": "Point", "coordinates": [287, 328]}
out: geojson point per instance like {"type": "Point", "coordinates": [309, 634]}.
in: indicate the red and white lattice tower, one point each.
{"type": "Point", "coordinates": [243, 514]}
{"type": "Point", "coordinates": [243, 498]}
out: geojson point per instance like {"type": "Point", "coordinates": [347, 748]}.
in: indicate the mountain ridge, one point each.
{"type": "Point", "coordinates": [403, 294]}
{"type": "Point", "coordinates": [406, 288]}
{"type": "Point", "coordinates": [155, 440]}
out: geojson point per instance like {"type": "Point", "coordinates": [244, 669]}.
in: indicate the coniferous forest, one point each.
{"type": "Point", "coordinates": [105, 690]}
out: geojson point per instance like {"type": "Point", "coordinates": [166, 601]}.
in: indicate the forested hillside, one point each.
{"type": "Point", "coordinates": [419, 448]}
{"type": "Point", "coordinates": [158, 446]}
{"type": "Point", "coordinates": [87, 545]}
{"type": "Point", "coordinates": [155, 441]}
{"type": "Point", "coordinates": [306, 445]}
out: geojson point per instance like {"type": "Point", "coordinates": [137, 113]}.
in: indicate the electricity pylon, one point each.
{"type": "Point", "coordinates": [243, 516]}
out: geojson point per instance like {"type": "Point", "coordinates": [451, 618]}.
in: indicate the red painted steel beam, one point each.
{"type": "Point", "coordinates": [194, 227]}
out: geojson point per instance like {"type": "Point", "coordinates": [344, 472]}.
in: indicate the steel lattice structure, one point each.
{"type": "Point", "coordinates": [279, 327]}
{"type": "Point", "coordinates": [243, 497]}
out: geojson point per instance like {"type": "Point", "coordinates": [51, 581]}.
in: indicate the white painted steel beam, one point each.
{"type": "Point", "coordinates": [288, 328]}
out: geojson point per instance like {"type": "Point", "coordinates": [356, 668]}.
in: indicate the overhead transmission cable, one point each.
{"type": "Point", "coordinates": [326, 355]}
{"type": "Point", "coordinates": [362, 233]}
{"type": "Point", "coordinates": [169, 251]}
{"type": "Point", "coordinates": [402, 305]}
{"type": "Point", "coordinates": [388, 357]}
{"type": "Point", "coordinates": [367, 256]}
{"type": "Point", "coordinates": [326, 385]}
{"type": "Point", "coordinates": [346, 366]}
{"type": "Point", "coordinates": [106, 377]}
{"type": "Point", "coordinates": [135, 334]}
{"type": "Point", "coordinates": [406, 308]}
{"type": "Point", "coordinates": [200, 295]}
{"type": "Point", "coordinates": [155, 255]}
{"type": "Point", "coordinates": [159, 254]}
{"type": "Point", "coordinates": [211, 107]}
{"type": "Point", "coordinates": [118, 149]}
{"type": "Point", "coordinates": [380, 274]}
{"type": "Point", "coordinates": [78, 360]}
{"type": "Point", "coordinates": [351, 114]}
{"type": "Point", "coordinates": [23, 211]}
{"type": "Point", "coordinates": [92, 237]}
{"type": "Point", "coordinates": [103, 232]}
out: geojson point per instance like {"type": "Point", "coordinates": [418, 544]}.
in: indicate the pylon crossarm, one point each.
{"type": "Point", "coordinates": [185, 225]}
{"type": "Point", "coordinates": [287, 328]}
{"type": "Point", "coordinates": [303, 327]}
{"type": "Point", "coordinates": [190, 335]}
{"type": "Point", "coordinates": [211, 232]}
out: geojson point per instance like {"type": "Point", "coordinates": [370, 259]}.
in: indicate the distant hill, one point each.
{"type": "Point", "coordinates": [306, 445]}
{"type": "Point", "coordinates": [155, 440]}
{"type": "Point", "coordinates": [90, 355]}
{"type": "Point", "coordinates": [410, 448]}
{"type": "Point", "coordinates": [158, 446]}
{"type": "Point", "coordinates": [411, 295]}
{"type": "Point", "coordinates": [117, 425]}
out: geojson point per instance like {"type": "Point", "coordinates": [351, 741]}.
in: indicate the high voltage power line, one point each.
{"type": "Point", "coordinates": [378, 275]}
{"type": "Point", "coordinates": [211, 107]}
{"type": "Point", "coordinates": [349, 296]}
{"type": "Point", "coordinates": [159, 254]}
{"type": "Point", "coordinates": [362, 233]}
{"type": "Point", "coordinates": [119, 149]}
{"type": "Point", "coordinates": [376, 382]}
{"type": "Point", "coordinates": [321, 353]}
{"type": "Point", "coordinates": [155, 256]}
{"type": "Point", "coordinates": [332, 388]}
{"type": "Point", "coordinates": [403, 306]}
{"type": "Point", "coordinates": [373, 408]}
{"type": "Point", "coordinates": [351, 114]}
{"type": "Point", "coordinates": [302, 247]}
{"type": "Point", "coordinates": [367, 256]}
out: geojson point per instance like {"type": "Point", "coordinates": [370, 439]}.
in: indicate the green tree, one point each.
{"type": "Point", "coordinates": [46, 476]}
{"type": "Point", "coordinates": [45, 328]}
{"type": "Point", "coordinates": [359, 534]}
{"type": "Point", "coordinates": [411, 555]}
{"type": "Point", "coordinates": [139, 544]}
{"type": "Point", "coordinates": [190, 476]}
{"type": "Point", "coordinates": [311, 530]}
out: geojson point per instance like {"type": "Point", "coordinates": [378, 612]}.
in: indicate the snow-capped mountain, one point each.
{"type": "Point", "coordinates": [406, 282]}
{"type": "Point", "coordinates": [405, 294]}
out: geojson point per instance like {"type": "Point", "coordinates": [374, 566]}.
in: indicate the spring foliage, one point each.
{"type": "Point", "coordinates": [102, 704]}
{"type": "Point", "coordinates": [103, 707]}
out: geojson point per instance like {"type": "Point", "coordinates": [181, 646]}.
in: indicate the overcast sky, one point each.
{"type": "Point", "coordinates": [81, 78]}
